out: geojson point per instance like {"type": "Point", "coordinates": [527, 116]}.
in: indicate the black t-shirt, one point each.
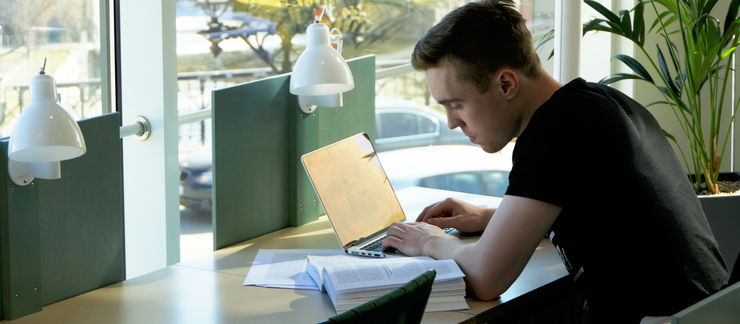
{"type": "Point", "coordinates": [630, 218]}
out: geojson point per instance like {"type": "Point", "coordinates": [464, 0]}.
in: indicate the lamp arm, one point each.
{"type": "Point", "coordinates": [337, 39]}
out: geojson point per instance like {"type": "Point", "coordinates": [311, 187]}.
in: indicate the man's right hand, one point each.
{"type": "Point", "coordinates": [457, 214]}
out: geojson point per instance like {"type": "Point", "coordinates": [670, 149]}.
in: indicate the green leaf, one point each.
{"type": "Point", "coordinates": [597, 24]}
{"type": "Point", "coordinates": [671, 51]}
{"type": "Point", "coordinates": [635, 66]}
{"type": "Point", "coordinates": [543, 42]}
{"type": "Point", "coordinates": [626, 24]}
{"type": "Point", "coordinates": [639, 24]}
{"type": "Point", "coordinates": [677, 102]}
{"type": "Point", "coordinates": [665, 73]}
{"type": "Point", "coordinates": [603, 11]}
{"type": "Point", "coordinates": [728, 52]}
{"type": "Point", "coordinates": [660, 18]}
{"type": "Point", "coordinates": [660, 102]}
{"type": "Point", "coordinates": [731, 14]}
{"type": "Point", "coordinates": [669, 136]}
{"type": "Point", "coordinates": [707, 8]}
{"type": "Point", "coordinates": [619, 77]}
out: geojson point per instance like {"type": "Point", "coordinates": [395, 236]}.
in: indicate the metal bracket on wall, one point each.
{"type": "Point", "coordinates": [140, 128]}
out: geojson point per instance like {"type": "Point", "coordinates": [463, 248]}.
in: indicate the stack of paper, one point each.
{"type": "Point", "coordinates": [283, 269]}
{"type": "Point", "coordinates": [351, 281]}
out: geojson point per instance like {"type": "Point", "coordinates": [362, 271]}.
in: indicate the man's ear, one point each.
{"type": "Point", "coordinates": [507, 82]}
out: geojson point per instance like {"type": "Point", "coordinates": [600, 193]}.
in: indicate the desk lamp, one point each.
{"type": "Point", "coordinates": [320, 74]}
{"type": "Point", "coordinates": [43, 135]}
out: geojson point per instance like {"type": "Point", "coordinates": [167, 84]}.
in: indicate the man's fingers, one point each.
{"type": "Point", "coordinates": [424, 213]}
{"type": "Point", "coordinates": [444, 222]}
{"type": "Point", "coordinates": [392, 241]}
{"type": "Point", "coordinates": [440, 209]}
{"type": "Point", "coordinates": [396, 229]}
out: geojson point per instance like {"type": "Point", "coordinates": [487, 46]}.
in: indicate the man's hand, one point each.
{"type": "Point", "coordinates": [415, 238]}
{"type": "Point", "coordinates": [457, 214]}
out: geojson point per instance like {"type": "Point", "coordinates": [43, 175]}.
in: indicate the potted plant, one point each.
{"type": "Point", "coordinates": [692, 70]}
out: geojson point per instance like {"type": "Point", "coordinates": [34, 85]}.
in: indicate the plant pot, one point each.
{"type": "Point", "coordinates": [723, 214]}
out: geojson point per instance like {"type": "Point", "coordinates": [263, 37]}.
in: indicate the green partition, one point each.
{"type": "Point", "coordinates": [20, 251]}
{"type": "Point", "coordinates": [60, 238]}
{"type": "Point", "coordinates": [259, 134]}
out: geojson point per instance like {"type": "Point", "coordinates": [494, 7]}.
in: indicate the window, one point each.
{"type": "Point", "coordinates": [221, 43]}
{"type": "Point", "coordinates": [67, 34]}
{"type": "Point", "coordinates": [395, 124]}
{"type": "Point", "coordinates": [490, 183]}
{"type": "Point", "coordinates": [463, 182]}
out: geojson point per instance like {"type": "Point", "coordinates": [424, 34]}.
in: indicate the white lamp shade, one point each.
{"type": "Point", "coordinates": [320, 69]}
{"type": "Point", "coordinates": [45, 132]}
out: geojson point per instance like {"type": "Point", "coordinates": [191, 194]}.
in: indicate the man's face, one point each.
{"type": "Point", "coordinates": [486, 118]}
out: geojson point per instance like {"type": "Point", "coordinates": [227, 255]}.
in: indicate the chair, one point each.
{"type": "Point", "coordinates": [735, 274]}
{"type": "Point", "coordinates": [719, 308]}
{"type": "Point", "coordinates": [404, 304]}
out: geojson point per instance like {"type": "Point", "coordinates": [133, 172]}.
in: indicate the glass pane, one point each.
{"type": "Point", "coordinates": [67, 34]}
{"type": "Point", "coordinates": [221, 43]}
{"type": "Point", "coordinates": [425, 125]}
{"type": "Point", "coordinates": [462, 182]}
{"type": "Point", "coordinates": [495, 182]}
{"type": "Point", "coordinates": [399, 124]}
{"type": "Point", "coordinates": [540, 15]}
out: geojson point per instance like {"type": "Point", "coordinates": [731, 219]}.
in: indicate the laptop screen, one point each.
{"type": "Point", "coordinates": [352, 186]}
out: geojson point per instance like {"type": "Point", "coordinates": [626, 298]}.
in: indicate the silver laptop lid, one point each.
{"type": "Point", "coordinates": [354, 189]}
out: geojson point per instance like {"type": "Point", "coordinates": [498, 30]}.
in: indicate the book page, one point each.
{"type": "Point", "coordinates": [350, 273]}
{"type": "Point", "coordinates": [283, 269]}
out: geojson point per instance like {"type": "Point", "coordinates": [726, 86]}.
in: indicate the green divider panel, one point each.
{"type": "Point", "coordinates": [60, 238]}
{"type": "Point", "coordinates": [259, 134]}
{"type": "Point", "coordinates": [20, 264]}
{"type": "Point", "coordinates": [81, 216]}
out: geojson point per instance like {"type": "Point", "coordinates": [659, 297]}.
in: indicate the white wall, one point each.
{"type": "Point", "coordinates": [149, 88]}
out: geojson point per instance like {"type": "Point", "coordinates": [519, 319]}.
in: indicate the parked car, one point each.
{"type": "Point", "coordinates": [462, 168]}
{"type": "Point", "coordinates": [196, 179]}
{"type": "Point", "coordinates": [399, 124]}
{"type": "Point", "coordinates": [402, 124]}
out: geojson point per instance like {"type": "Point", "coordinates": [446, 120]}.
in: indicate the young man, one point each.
{"type": "Point", "coordinates": [591, 167]}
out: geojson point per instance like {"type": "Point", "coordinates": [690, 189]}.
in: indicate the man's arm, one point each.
{"type": "Point", "coordinates": [493, 262]}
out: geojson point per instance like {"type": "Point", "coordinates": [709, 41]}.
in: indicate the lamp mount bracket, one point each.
{"type": "Point", "coordinates": [306, 107]}
{"type": "Point", "coordinates": [17, 174]}
{"type": "Point", "coordinates": [145, 128]}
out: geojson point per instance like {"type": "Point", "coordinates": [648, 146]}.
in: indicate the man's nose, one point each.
{"type": "Point", "coordinates": [453, 122]}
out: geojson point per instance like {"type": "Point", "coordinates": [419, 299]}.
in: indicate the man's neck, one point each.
{"type": "Point", "coordinates": [534, 93]}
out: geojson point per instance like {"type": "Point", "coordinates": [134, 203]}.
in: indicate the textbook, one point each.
{"type": "Point", "coordinates": [351, 281]}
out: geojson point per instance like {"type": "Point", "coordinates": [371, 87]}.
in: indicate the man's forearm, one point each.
{"type": "Point", "coordinates": [484, 283]}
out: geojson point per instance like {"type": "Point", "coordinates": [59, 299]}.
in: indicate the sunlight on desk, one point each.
{"type": "Point", "coordinates": [317, 227]}
{"type": "Point", "coordinates": [195, 245]}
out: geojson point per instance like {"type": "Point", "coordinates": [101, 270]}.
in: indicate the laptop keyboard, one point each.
{"type": "Point", "coordinates": [377, 245]}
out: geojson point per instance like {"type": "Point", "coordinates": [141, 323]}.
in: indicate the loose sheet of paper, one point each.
{"type": "Point", "coordinates": [284, 268]}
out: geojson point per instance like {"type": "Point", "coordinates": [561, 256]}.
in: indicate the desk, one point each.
{"type": "Point", "coordinates": [209, 289]}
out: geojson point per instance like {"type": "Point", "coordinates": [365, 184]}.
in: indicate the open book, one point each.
{"type": "Point", "coordinates": [351, 281]}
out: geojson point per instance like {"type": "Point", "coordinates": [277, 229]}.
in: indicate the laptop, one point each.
{"type": "Point", "coordinates": [355, 192]}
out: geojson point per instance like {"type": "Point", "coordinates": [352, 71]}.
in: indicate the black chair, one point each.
{"type": "Point", "coordinates": [735, 274]}
{"type": "Point", "coordinates": [404, 304]}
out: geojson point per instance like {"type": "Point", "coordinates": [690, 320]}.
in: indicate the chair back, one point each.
{"type": "Point", "coordinates": [719, 308]}
{"type": "Point", "coordinates": [735, 274]}
{"type": "Point", "coordinates": [404, 304]}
